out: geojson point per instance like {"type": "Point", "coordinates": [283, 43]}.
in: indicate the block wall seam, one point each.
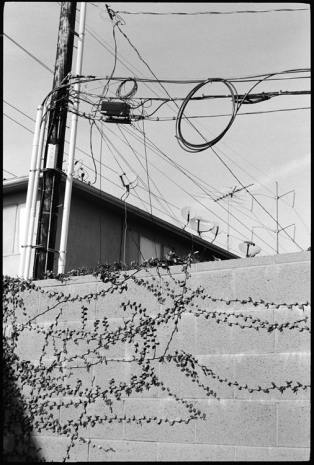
{"type": "Point", "coordinates": [277, 423]}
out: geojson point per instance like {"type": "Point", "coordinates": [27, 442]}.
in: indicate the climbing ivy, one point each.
{"type": "Point", "coordinates": [33, 391]}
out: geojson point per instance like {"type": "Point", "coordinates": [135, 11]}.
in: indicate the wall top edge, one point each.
{"type": "Point", "coordinates": [195, 268]}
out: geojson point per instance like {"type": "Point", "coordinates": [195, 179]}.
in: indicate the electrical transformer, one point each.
{"type": "Point", "coordinates": [116, 112]}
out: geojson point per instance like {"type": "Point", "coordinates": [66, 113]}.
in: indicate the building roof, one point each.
{"type": "Point", "coordinates": [20, 183]}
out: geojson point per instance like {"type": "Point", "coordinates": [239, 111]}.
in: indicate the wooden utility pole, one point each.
{"type": "Point", "coordinates": [51, 182]}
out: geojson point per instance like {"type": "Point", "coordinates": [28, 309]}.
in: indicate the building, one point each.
{"type": "Point", "coordinates": [102, 229]}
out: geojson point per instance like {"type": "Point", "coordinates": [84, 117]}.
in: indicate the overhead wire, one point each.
{"type": "Point", "coordinates": [79, 149]}
{"type": "Point", "coordinates": [198, 186]}
{"type": "Point", "coordinates": [173, 118]}
{"type": "Point", "coordinates": [28, 53]}
{"type": "Point", "coordinates": [108, 143]}
{"type": "Point", "coordinates": [156, 197]}
{"type": "Point", "coordinates": [256, 199]}
{"type": "Point", "coordinates": [177, 13]}
{"type": "Point", "coordinates": [18, 123]}
{"type": "Point", "coordinates": [155, 167]}
{"type": "Point", "coordinates": [171, 215]}
{"type": "Point", "coordinates": [14, 175]}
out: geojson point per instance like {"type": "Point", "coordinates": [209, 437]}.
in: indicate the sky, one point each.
{"type": "Point", "coordinates": [271, 145]}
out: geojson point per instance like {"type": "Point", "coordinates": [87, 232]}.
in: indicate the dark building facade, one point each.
{"type": "Point", "coordinates": [102, 229]}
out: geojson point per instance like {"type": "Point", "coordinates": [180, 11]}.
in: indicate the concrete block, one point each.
{"type": "Point", "coordinates": [106, 451]}
{"type": "Point", "coordinates": [293, 340]}
{"type": "Point", "coordinates": [70, 416]}
{"type": "Point", "coordinates": [84, 279]}
{"type": "Point", "coordinates": [122, 371]}
{"type": "Point", "coordinates": [195, 453]}
{"type": "Point", "coordinates": [223, 366]}
{"type": "Point", "coordinates": [152, 431]}
{"type": "Point", "coordinates": [172, 289]}
{"type": "Point", "coordinates": [78, 342]}
{"type": "Point", "coordinates": [111, 305]}
{"type": "Point", "coordinates": [73, 310]}
{"type": "Point", "coordinates": [183, 386]}
{"type": "Point", "coordinates": [177, 381]}
{"type": "Point", "coordinates": [285, 283]}
{"type": "Point", "coordinates": [272, 454]}
{"type": "Point", "coordinates": [50, 283]}
{"type": "Point", "coordinates": [122, 451]}
{"type": "Point", "coordinates": [78, 371]}
{"type": "Point", "coordinates": [100, 427]}
{"type": "Point", "coordinates": [232, 422]}
{"type": "Point", "coordinates": [142, 335]}
{"type": "Point", "coordinates": [29, 300]}
{"type": "Point", "coordinates": [213, 337]}
{"type": "Point", "coordinates": [84, 341]}
{"type": "Point", "coordinates": [262, 370]}
{"type": "Point", "coordinates": [103, 373]}
{"type": "Point", "coordinates": [45, 418]}
{"type": "Point", "coordinates": [31, 343]}
{"type": "Point", "coordinates": [35, 386]}
{"type": "Point", "coordinates": [234, 263]}
{"type": "Point", "coordinates": [218, 284]}
{"type": "Point", "coordinates": [139, 452]}
{"type": "Point", "coordinates": [114, 347]}
{"type": "Point", "coordinates": [293, 257]}
{"type": "Point", "coordinates": [182, 338]}
{"type": "Point", "coordinates": [294, 424]}
{"type": "Point", "coordinates": [55, 449]}
{"type": "Point", "coordinates": [223, 334]}
{"type": "Point", "coordinates": [249, 339]}
{"type": "Point", "coordinates": [50, 308]}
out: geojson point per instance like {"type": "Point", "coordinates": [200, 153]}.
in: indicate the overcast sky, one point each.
{"type": "Point", "coordinates": [270, 145]}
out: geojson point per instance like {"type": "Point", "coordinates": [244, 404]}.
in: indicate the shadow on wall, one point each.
{"type": "Point", "coordinates": [18, 446]}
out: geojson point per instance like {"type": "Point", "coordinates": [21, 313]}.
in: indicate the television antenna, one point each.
{"type": "Point", "coordinates": [129, 181]}
{"type": "Point", "coordinates": [277, 230]}
{"type": "Point", "coordinates": [229, 196]}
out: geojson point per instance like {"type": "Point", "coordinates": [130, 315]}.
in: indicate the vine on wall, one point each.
{"type": "Point", "coordinates": [35, 391]}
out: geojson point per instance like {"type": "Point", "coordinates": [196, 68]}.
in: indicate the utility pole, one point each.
{"type": "Point", "coordinates": [53, 158]}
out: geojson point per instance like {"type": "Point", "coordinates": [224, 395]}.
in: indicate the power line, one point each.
{"type": "Point", "coordinates": [254, 197]}
{"type": "Point", "coordinates": [173, 118]}
{"type": "Point", "coordinates": [208, 12]}
{"type": "Point", "coordinates": [18, 123]}
{"type": "Point", "coordinates": [30, 54]}
{"type": "Point", "coordinates": [180, 169]}
{"type": "Point", "coordinates": [14, 175]}
{"type": "Point", "coordinates": [153, 194]}
{"type": "Point", "coordinates": [80, 149]}
{"type": "Point", "coordinates": [131, 168]}
{"type": "Point", "coordinates": [19, 110]}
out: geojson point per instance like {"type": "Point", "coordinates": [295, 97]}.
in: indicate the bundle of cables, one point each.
{"type": "Point", "coordinates": [188, 146]}
{"type": "Point", "coordinates": [236, 104]}
{"type": "Point", "coordinates": [129, 94]}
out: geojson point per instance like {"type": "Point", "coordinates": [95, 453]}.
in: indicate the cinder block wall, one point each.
{"type": "Point", "coordinates": [240, 426]}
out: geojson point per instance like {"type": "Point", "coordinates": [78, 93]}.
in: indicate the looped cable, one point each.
{"type": "Point", "coordinates": [129, 94]}
{"type": "Point", "coordinates": [188, 146]}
